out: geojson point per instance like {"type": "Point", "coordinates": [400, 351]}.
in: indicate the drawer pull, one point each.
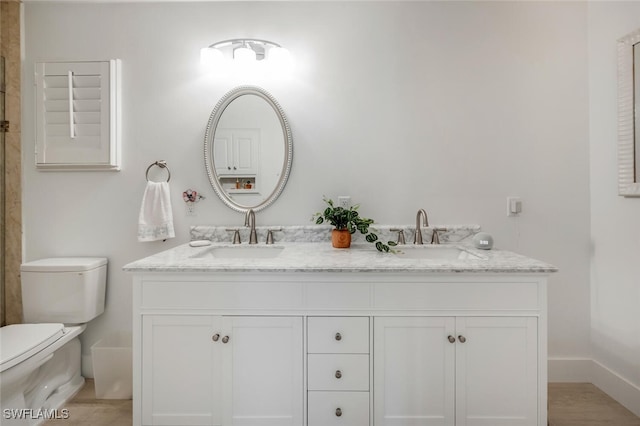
{"type": "Point", "coordinates": [338, 412]}
{"type": "Point", "coordinates": [225, 339]}
{"type": "Point", "coordinates": [451, 339]}
{"type": "Point", "coordinates": [338, 337]}
{"type": "Point", "coordinates": [462, 339]}
{"type": "Point", "coordinates": [338, 374]}
{"type": "Point", "coordinates": [215, 337]}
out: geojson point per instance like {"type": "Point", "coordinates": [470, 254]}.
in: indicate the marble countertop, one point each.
{"type": "Point", "coordinates": [322, 257]}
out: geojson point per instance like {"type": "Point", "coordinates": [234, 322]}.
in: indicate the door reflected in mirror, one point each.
{"type": "Point", "coordinates": [248, 149]}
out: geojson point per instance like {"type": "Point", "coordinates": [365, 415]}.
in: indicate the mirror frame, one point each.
{"type": "Point", "coordinates": [209, 135]}
{"type": "Point", "coordinates": [628, 170]}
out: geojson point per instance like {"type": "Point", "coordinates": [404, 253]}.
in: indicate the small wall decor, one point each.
{"type": "Point", "coordinates": [191, 197]}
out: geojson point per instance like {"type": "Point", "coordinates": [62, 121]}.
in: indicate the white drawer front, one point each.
{"type": "Point", "coordinates": [341, 372]}
{"type": "Point", "coordinates": [338, 335]}
{"type": "Point", "coordinates": [338, 408]}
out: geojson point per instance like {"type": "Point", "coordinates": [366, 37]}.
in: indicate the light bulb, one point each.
{"type": "Point", "coordinates": [280, 60]}
{"type": "Point", "coordinates": [244, 55]}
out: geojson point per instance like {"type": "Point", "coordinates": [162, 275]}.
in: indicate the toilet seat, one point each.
{"type": "Point", "coordinates": [21, 341]}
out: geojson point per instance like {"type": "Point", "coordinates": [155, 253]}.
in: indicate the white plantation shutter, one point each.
{"type": "Point", "coordinates": [77, 115]}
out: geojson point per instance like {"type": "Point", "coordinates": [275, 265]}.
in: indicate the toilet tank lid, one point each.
{"type": "Point", "coordinates": [64, 264]}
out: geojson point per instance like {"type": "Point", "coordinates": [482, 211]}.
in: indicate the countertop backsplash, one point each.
{"type": "Point", "coordinates": [320, 233]}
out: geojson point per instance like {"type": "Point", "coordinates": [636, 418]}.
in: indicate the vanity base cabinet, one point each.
{"type": "Point", "coordinates": [462, 371]}
{"type": "Point", "coordinates": [347, 349]}
{"type": "Point", "coordinates": [230, 370]}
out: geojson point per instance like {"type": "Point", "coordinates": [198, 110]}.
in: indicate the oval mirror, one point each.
{"type": "Point", "coordinates": [248, 149]}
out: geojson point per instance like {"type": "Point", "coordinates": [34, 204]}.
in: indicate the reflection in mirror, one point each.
{"type": "Point", "coordinates": [248, 149]}
{"type": "Point", "coordinates": [628, 112]}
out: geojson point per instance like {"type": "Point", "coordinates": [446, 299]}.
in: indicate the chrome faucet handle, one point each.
{"type": "Point", "coordinates": [236, 235]}
{"type": "Point", "coordinates": [270, 234]}
{"type": "Point", "coordinates": [435, 238]}
{"type": "Point", "coordinates": [400, 232]}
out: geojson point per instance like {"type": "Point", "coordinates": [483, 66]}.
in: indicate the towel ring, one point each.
{"type": "Point", "coordinates": [163, 165]}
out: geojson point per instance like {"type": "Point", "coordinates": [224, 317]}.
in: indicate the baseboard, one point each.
{"type": "Point", "coordinates": [617, 387]}
{"type": "Point", "coordinates": [583, 370]}
{"type": "Point", "coordinates": [569, 370]}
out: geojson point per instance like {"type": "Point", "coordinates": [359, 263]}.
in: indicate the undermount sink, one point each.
{"type": "Point", "coordinates": [240, 252]}
{"type": "Point", "coordinates": [437, 252]}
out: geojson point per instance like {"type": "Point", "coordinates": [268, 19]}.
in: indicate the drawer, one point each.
{"type": "Point", "coordinates": [338, 335]}
{"type": "Point", "coordinates": [338, 372]}
{"type": "Point", "coordinates": [338, 408]}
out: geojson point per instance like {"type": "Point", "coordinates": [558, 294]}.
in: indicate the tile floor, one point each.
{"type": "Point", "coordinates": [570, 404]}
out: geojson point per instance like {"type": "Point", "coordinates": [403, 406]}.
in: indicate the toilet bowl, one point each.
{"type": "Point", "coordinates": [40, 360]}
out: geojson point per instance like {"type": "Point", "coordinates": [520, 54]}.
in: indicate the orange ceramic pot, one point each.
{"type": "Point", "coordinates": [341, 238]}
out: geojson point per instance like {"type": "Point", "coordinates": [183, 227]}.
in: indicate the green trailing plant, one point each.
{"type": "Point", "coordinates": [351, 220]}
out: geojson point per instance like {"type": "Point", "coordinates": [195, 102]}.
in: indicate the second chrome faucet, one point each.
{"type": "Point", "coordinates": [417, 239]}
{"type": "Point", "coordinates": [250, 221]}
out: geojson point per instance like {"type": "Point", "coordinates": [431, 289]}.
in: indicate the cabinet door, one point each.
{"type": "Point", "coordinates": [414, 371]}
{"type": "Point", "coordinates": [236, 151]}
{"type": "Point", "coordinates": [223, 152]}
{"type": "Point", "coordinates": [246, 144]}
{"type": "Point", "coordinates": [181, 370]}
{"type": "Point", "coordinates": [263, 372]}
{"type": "Point", "coordinates": [496, 376]}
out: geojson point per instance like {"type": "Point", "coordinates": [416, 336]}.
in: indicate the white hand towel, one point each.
{"type": "Point", "coordinates": [156, 218]}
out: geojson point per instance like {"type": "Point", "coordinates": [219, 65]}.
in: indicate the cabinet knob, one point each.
{"type": "Point", "coordinates": [338, 336]}
{"type": "Point", "coordinates": [338, 374]}
{"type": "Point", "coordinates": [462, 339]}
{"type": "Point", "coordinates": [228, 167]}
{"type": "Point", "coordinates": [451, 339]}
{"type": "Point", "coordinates": [338, 412]}
{"type": "Point", "coordinates": [225, 339]}
{"type": "Point", "coordinates": [215, 337]}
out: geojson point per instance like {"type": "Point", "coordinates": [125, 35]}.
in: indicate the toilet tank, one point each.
{"type": "Point", "coordinates": [69, 290]}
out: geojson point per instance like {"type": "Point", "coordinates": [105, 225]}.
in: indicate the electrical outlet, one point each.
{"type": "Point", "coordinates": [344, 201]}
{"type": "Point", "coordinates": [514, 206]}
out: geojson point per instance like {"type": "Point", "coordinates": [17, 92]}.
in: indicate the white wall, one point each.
{"type": "Point", "coordinates": [449, 106]}
{"type": "Point", "coordinates": [615, 221]}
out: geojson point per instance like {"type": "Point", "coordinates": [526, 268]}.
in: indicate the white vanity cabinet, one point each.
{"type": "Point", "coordinates": [221, 370]}
{"type": "Point", "coordinates": [339, 348]}
{"type": "Point", "coordinates": [463, 371]}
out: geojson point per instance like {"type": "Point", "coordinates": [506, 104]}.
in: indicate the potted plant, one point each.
{"type": "Point", "coordinates": [347, 222]}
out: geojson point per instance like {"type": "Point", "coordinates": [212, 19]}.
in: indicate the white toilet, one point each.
{"type": "Point", "coordinates": [40, 360]}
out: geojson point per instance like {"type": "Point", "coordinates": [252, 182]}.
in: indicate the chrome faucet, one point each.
{"type": "Point", "coordinates": [250, 221]}
{"type": "Point", "coordinates": [417, 239]}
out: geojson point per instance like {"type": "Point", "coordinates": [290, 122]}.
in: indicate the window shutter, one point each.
{"type": "Point", "coordinates": [78, 115]}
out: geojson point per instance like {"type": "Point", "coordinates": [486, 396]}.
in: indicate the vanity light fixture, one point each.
{"type": "Point", "coordinates": [245, 52]}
